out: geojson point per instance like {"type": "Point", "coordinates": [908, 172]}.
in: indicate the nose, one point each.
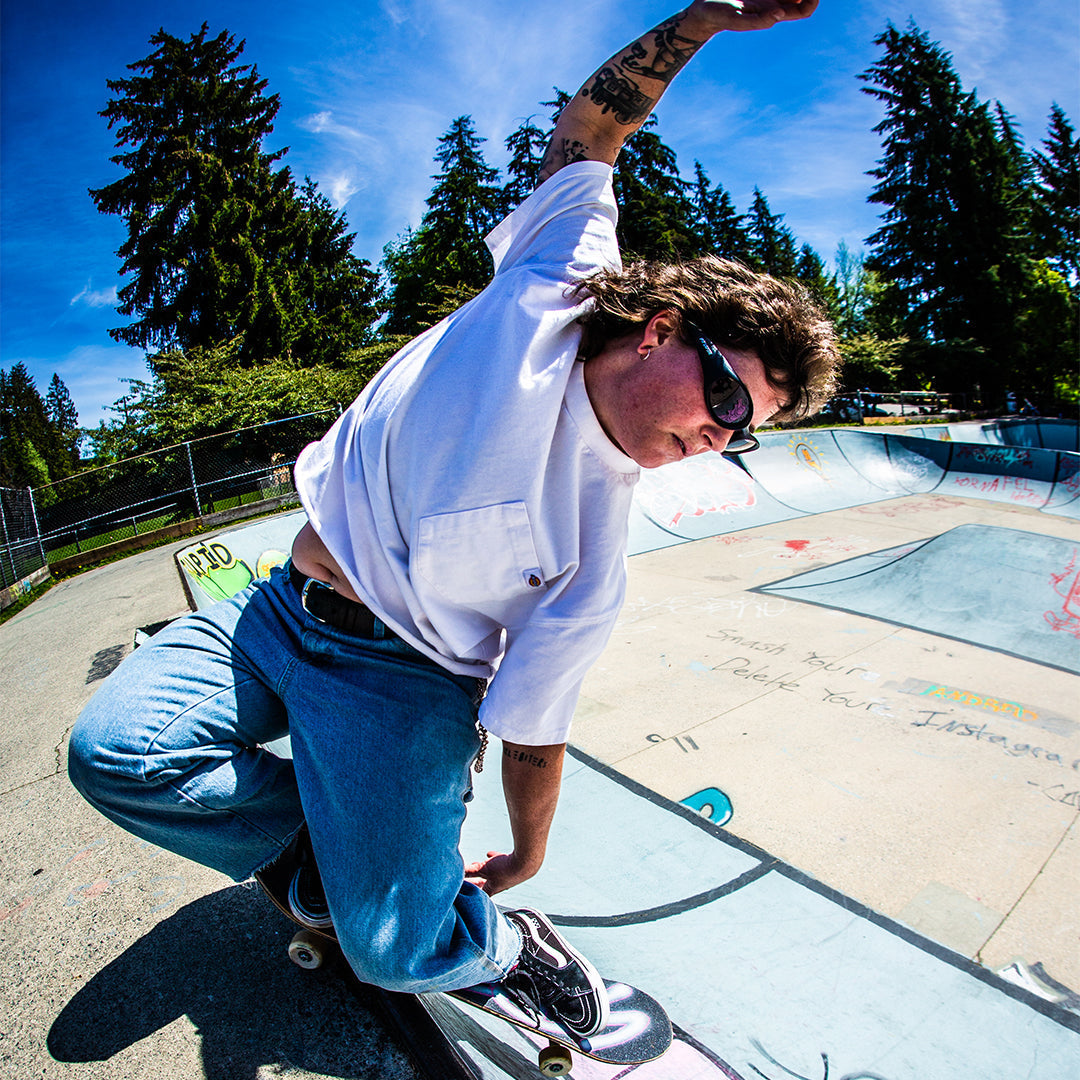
{"type": "Point", "coordinates": [713, 437]}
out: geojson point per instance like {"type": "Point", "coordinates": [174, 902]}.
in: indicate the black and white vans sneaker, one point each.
{"type": "Point", "coordinates": [553, 978]}
{"type": "Point", "coordinates": [293, 883]}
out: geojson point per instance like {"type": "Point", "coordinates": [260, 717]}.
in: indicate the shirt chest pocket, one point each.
{"type": "Point", "coordinates": [478, 555]}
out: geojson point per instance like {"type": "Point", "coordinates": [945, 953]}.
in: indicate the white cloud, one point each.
{"type": "Point", "coordinates": [95, 376]}
{"type": "Point", "coordinates": [98, 298]}
{"type": "Point", "coordinates": [341, 189]}
{"type": "Point", "coordinates": [317, 122]}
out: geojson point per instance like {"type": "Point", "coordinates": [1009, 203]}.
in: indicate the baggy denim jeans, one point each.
{"type": "Point", "coordinates": [171, 749]}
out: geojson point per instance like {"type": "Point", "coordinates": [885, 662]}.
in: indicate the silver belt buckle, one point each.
{"type": "Point", "coordinates": [304, 596]}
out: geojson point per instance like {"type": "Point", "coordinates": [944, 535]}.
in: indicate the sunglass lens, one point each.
{"type": "Point", "coordinates": [729, 403]}
{"type": "Point", "coordinates": [741, 442]}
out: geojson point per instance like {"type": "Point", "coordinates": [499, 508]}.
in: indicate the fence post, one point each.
{"type": "Point", "coordinates": [37, 528]}
{"type": "Point", "coordinates": [194, 485]}
{"type": "Point", "coordinates": [7, 542]}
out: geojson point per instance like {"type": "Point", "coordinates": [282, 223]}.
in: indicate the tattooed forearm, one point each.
{"type": "Point", "coordinates": [562, 152]}
{"type": "Point", "coordinates": [524, 757]}
{"type": "Point", "coordinates": [673, 53]}
{"type": "Point", "coordinates": [616, 87]}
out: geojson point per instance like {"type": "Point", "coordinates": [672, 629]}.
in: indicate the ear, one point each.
{"type": "Point", "coordinates": [663, 325]}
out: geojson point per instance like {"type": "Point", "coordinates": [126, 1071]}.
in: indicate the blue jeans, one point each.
{"type": "Point", "coordinates": [170, 748]}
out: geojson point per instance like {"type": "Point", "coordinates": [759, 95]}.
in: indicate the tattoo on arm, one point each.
{"type": "Point", "coordinates": [563, 153]}
{"type": "Point", "coordinates": [524, 758]}
{"type": "Point", "coordinates": [616, 87]}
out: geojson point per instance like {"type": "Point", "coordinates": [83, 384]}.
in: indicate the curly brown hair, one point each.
{"type": "Point", "coordinates": [778, 320]}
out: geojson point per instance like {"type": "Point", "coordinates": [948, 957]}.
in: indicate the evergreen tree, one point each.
{"type": "Point", "coordinates": [63, 419]}
{"type": "Point", "coordinates": [1057, 197]}
{"type": "Point", "coordinates": [526, 146]}
{"type": "Point", "coordinates": [216, 237]}
{"type": "Point", "coordinates": [444, 262]}
{"type": "Point", "coordinates": [772, 245]}
{"type": "Point", "coordinates": [25, 436]}
{"type": "Point", "coordinates": [811, 271]}
{"type": "Point", "coordinates": [655, 211]}
{"type": "Point", "coordinates": [954, 246]}
{"type": "Point", "coordinates": [716, 221]}
{"type": "Point", "coordinates": [922, 97]}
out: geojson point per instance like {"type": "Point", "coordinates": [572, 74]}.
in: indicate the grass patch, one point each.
{"type": "Point", "coordinates": [26, 600]}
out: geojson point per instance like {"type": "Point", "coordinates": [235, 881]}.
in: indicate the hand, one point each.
{"type": "Point", "coordinates": [497, 873]}
{"type": "Point", "coordinates": [749, 14]}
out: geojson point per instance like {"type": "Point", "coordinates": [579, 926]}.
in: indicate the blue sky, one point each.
{"type": "Point", "coordinates": [367, 88]}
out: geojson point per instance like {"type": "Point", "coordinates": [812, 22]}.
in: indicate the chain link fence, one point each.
{"type": "Point", "coordinates": [148, 492]}
{"type": "Point", "coordinates": [22, 551]}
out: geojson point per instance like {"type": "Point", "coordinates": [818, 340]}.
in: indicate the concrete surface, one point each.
{"type": "Point", "coordinates": [122, 961]}
{"type": "Point", "coordinates": [765, 972]}
{"type": "Point", "coordinates": [928, 779]}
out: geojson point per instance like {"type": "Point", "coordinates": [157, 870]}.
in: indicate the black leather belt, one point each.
{"type": "Point", "coordinates": [323, 603]}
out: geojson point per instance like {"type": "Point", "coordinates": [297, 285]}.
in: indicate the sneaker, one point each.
{"type": "Point", "coordinates": [293, 883]}
{"type": "Point", "coordinates": [554, 979]}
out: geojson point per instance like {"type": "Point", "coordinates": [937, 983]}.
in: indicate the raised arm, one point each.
{"type": "Point", "coordinates": [618, 98]}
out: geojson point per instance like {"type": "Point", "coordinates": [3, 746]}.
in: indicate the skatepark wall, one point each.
{"type": "Point", "coordinates": [795, 473]}
{"type": "Point", "coordinates": [815, 471]}
{"type": "Point", "coordinates": [1045, 433]}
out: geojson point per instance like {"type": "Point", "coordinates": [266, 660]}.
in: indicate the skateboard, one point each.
{"type": "Point", "coordinates": [639, 1029]}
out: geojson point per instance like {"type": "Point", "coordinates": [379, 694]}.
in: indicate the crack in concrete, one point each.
{"type": "Point", "coordinates": [1030, 885]}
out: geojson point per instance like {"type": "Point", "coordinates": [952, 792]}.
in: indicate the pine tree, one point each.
{"type": "Point", "coordinates": [953, 247]}
{"type": "Point", "coordinates": [655, 211]}
{"type": "Point", "coordinates": [444, 262]}
{"type": "Point", "coordinates": [526, 145]}
{"type": "Point", "coordinates": [215, 234]}
{"type": "Point", "coordinates": [716, 221]}
{"type": "Point", "coordinates": [922, 96]}
{"type": "Point", "coordinates": [1057, 197]}
{"type": "Point", "coordinates": [25, 438]}
{"type": "Point", "coordinates": [63, 419]}
{"type": "Point", "coordinates": [772, 244]}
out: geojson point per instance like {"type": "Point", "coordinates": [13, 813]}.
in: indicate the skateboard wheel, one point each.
{"type": "Point", "coordinates": [555, 1060]}
{"type": "Point", "coordinates": [307, 950]}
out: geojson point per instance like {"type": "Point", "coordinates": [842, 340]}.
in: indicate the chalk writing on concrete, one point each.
{"type": "Point", "coordinates": [680, 740]}
{"type": "Point", "coordinates": [742, 667]}
{"type": "Point", "coordinates": [819, 549]}
{"type": "Point", "coordinates": [932, 503]}
{"type": "Point", "coordinates": [843, 667]}
{"type": "Point", "coordinates": [849, 700]}
{"type": "Point", "coordinates": [1067, 586]}
{"type": "Point", "coordinates": [1018, 489]}
{"type": "Point", "coordinates": [982, 734]}
{"type": "Point", "coordinates": [1058, 793]}
{"type": "Point", "coordinates": [636, 613]}
{"type": "Point", "coordinates": [732, 637]}
{"type": "Point", "coordinates": [980, 701]}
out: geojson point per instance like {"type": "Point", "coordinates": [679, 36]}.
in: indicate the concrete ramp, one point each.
{"type": "Point", "coordinates": [1015, 592]}
{"type": "Point", "coordinates": [820, 470]}
{"type": "Point", "coordinates": [1043, 432]}
{"type": "Point", "coordinates": [765, 972]}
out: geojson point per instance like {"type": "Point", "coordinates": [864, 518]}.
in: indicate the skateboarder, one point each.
{"type": "Point", "coordinates": [466, 530]}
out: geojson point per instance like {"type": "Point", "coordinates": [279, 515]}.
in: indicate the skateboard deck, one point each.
{"type": "Point", "coordinates": [639, 1029]}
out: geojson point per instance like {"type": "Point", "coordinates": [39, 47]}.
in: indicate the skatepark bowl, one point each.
{"type": "Point", "coordinates": [822, 796]}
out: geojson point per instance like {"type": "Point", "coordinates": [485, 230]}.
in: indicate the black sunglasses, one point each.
{"type": "Point", "coordinates": [726, 396]}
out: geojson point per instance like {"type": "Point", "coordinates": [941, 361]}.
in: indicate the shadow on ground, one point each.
{"type": "Point", "coordinates": [221, 961]}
